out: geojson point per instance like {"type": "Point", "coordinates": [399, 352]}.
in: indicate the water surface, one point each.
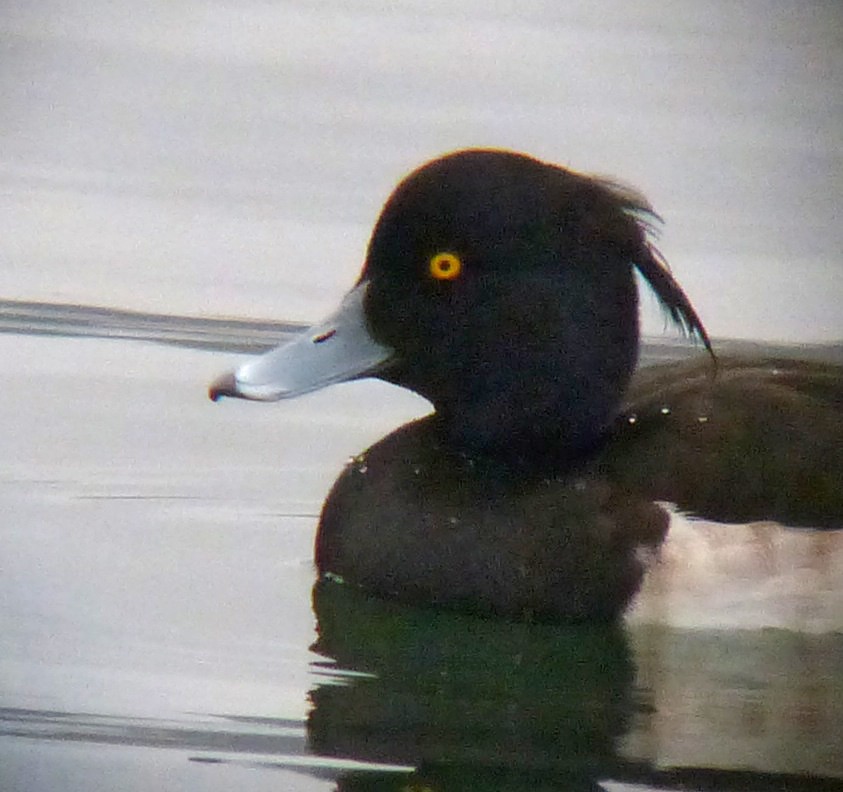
{"type": "Point", "coordinates": [158, 629]}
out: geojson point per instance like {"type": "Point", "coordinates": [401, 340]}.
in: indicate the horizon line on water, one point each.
{"type": "Point", "coordinates": [250, 336]}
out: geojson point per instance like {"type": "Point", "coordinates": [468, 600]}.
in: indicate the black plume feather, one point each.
{"type": "Point", "coordinates": [653, 266]}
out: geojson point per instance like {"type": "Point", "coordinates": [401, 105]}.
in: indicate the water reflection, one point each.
{"type": "Point", "coordinates": [477, 703]}
{"type": "Point", "coordinates": [469, 702]}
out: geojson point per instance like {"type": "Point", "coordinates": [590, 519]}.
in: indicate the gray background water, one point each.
{"type": "Point", "coordinates": [230, 157]}
{"type": "Point", "coordinates": [220, 158]}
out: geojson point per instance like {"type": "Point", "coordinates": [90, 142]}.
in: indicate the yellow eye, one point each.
{"type": "Point", "coordinates": [445, 266]}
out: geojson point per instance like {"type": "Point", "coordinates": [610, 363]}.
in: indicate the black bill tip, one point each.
{"type": "Point", "coordinates": [226, 385]}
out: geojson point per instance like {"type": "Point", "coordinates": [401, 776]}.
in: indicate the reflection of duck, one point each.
{"type": "Point", "coordinates": [494, 704]}
{"type": "Point", "coordinates": [502, 289]}
{"type": "Point", "coordinates": [470, 703]}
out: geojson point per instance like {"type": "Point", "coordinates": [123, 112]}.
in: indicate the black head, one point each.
{"type": "Point", "coordinates": [499, 287]}
{"type": "Point", "coordinates": [506, 287]}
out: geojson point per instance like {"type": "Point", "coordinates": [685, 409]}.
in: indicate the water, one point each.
{"type": "Point", "coordinates": [230, 157]}
{"type": "Point", "coordinates": [157, 628]}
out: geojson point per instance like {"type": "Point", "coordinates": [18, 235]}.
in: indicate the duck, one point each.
{"type": "Point", "coordinates": [502, 288]}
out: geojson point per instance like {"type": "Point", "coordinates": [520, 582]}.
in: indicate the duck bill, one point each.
{"type": "Point", "coordinates": [339, 349]}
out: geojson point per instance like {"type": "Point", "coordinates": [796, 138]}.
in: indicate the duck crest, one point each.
{"type": "Point", "coordinates": [653, 266]}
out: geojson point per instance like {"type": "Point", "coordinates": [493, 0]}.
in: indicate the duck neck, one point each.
{"type": "Point", "coordinates": [541, 454]}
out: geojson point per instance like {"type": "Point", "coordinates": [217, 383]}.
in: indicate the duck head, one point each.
{"type": "Point", "coordinates": [502, 289]}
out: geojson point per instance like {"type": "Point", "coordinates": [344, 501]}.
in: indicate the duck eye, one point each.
{"type": "Point", "coordinates": [445, 266]}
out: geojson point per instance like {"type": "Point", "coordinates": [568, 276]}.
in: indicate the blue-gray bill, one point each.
{"type": "Point", "coordinates": [338, 349]}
